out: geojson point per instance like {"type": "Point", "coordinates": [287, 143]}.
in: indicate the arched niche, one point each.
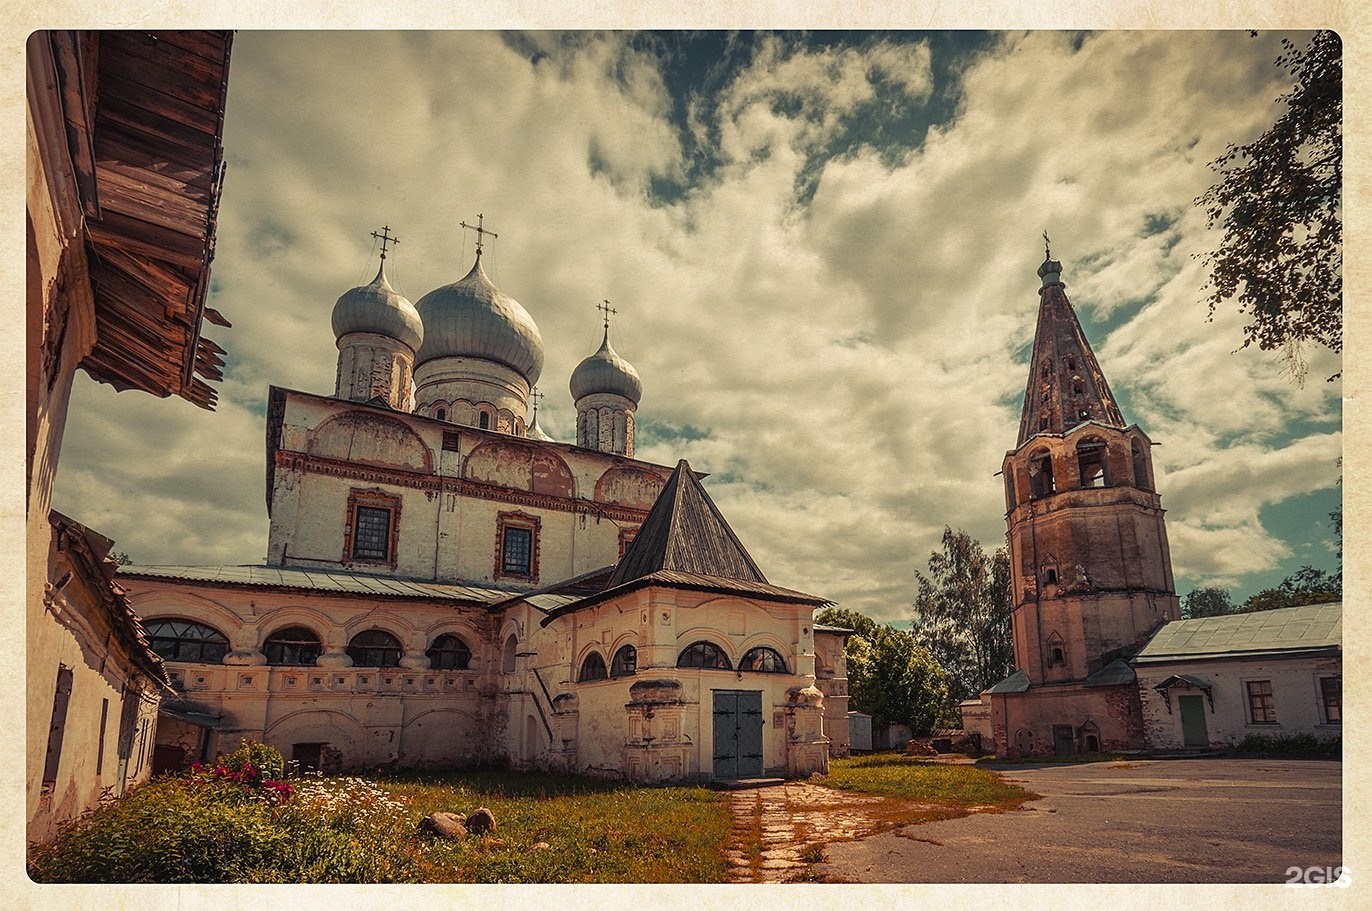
{"type": "Point", "coordinates": [629, 485]}
{"type": "Point", "coordinates": [370, 439]}
{"type": "Point", "coordinates": [517, 465]}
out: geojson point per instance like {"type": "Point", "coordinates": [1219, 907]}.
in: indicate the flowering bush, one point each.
{"type": "Point", "coordinates": [250, 767]}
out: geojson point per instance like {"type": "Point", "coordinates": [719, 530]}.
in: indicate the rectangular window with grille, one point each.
{"type": "Point", "coordinates": [1262, 708]}
{"type": "Point", "coordinates": [372, 534]}
{"type": "Point", "coordinates": [1331, 694]}
{"type": "Point", "coordinates": [517, 551]}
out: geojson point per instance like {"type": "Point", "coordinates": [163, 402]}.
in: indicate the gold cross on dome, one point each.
{"type": "Point", "coordinates": [480, 231]}
{"type": "Point", "coordinates": [605, 306]}
{"type": "Point", "coordinates": [386, 238]}
{"type": "Point", "coordinates": [537, 397]}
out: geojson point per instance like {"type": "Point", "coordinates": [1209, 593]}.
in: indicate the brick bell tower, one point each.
{"type": "Point", "coordinates": [1088, 547]}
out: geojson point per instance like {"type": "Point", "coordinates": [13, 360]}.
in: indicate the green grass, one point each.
{"type": "Point", "coordinates": [354, 830]}
{"type": "Point", "coordinates": [942, 784]}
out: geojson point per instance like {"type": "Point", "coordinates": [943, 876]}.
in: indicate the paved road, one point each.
{"type": "Point", "coordinates": [1189, 820]}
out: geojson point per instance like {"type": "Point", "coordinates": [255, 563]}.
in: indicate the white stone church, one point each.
{"type": "Point", "coordinates": [447, 586]}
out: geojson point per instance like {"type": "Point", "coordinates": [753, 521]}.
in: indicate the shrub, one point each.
{"type": "Point", "coordinates": [267, 760]}
{"type": "Point", "coordinates": [1291, 744]}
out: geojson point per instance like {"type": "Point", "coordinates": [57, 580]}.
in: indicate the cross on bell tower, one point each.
{"type": "Point", "coordinates": [480, 232]}
{"type": "Point", "coordinates": [386, 238]}
{"type": "Point", "coordinates": [535, 396]}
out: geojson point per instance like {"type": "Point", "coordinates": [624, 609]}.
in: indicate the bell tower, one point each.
{"type": "Point", "coordinates": [1088, 547]}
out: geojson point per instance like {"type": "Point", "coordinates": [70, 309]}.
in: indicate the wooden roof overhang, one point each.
{"type": "Point", "coordinates": [145, 119]}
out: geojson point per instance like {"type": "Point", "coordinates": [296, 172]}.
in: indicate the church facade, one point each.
{"type": "Point", "coordinates": [446, 586]}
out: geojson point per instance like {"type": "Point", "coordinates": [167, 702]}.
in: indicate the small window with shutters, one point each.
{"type": "Point", "coordinates": [57, 730]}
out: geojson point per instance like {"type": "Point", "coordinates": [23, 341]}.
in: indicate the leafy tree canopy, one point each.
{"type": "Point", "coordinates": [1278, 202]}
{"type": "Point", "coordinates": [962, 614]}
{"type": "Point", "coordinates": [861, 624]}
{"type": "Point", "coordinates": [1308, 585]}
{"type": "Point", "coordinates": [1207, 602]}
{"type": "Point", "coordinates": [893, 679]}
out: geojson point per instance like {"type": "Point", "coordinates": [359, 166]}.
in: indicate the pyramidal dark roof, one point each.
{"type": "Point", "coordinates": [685, 532]}
{"type": "Point", "coordinates": [1066, 385]}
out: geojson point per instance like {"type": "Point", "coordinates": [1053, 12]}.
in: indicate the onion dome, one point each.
{"type": "Point", "coordinates": [473, 318]}
{"type": "Point", "coordinates": [536, 432]}
{"type": "Point", "coordinates": [378, 308]}
{"type": "Point", "coordinates": [606, 371]}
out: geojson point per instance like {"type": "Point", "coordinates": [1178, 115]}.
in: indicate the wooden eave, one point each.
{"type": "Point", "coordinates": [145, 118]}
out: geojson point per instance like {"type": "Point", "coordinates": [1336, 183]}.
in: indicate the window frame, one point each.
{"type": "Point", "coordinates": [268, 645]}
{"type": "Point", "coordinates": [1266, 701]}
{"type": "Point", "coordinates": [763, 650]}
{"type": "Point", "coordinates": [589, 673]}
{"type": "Point", "coordinates": [1323, 691]}
{"type": "Point", "coordinates": [517, 521]}
{"type": "Point", "coordinates": [627, 668]}
{"type": "Point", "coordinates": [434, 664]}
{"type": "Point", "coordinates": [726, 664]}
{"type": "Point", "coordinates": [352, 649]}
{"type": "Point", "coordinates": [153, 638]}
{"type": "Point", "coordinates": [376, 499]}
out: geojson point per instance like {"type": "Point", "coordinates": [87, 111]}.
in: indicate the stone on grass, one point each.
{"type": "Point", "coordinates": [448, 825]}
{"type": "Point", "coordinates": [482, 820]}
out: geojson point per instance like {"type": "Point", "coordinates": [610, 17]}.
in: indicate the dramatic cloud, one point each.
{"type": "Point", "coordinates": [830, 308]}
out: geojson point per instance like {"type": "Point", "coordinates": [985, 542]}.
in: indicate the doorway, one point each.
{"type": "Point", "coordinates": [1193, 732]}
{"type": "Point", "coordinates": [737, 734]}
{"type": "Point", "coordinates": [1063, 740]}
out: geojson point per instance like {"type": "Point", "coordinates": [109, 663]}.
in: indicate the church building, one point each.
{"type": "Point", "coordinates": [1103, 660]}
{"type": "Point", "coordinates": [445, 585]}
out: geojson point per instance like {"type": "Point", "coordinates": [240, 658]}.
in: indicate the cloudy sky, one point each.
{"type": "Point", "coordinates": [822, 249]}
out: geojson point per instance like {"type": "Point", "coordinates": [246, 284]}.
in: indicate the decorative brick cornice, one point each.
{"type": "Point", "coordinates": [371, 474]}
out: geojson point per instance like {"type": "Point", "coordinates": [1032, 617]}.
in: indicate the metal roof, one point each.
{"type": "Point", "coordinates": [1115, 673]}
{"type": "Point", "coordinates": [685, 532]}
{"type": "Point", "coordinates": [1018, 682]}
{"type": "Point", "coordinates": [1289, 629]}
{"type": "Point", "coordinates": [325, 580]}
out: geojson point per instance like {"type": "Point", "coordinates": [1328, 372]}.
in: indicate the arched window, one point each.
{"type": "Point", "coordinates": [1091, 463]}
{"type": "Point", "coordinates": [703, 654]}
{"type": "Point", "coordinates": [484, 420]}
{"type": "Point", "coordinates": [1010, 498]}
{"type": "Point", "coordinates": [1141, 479]}
{"type": "Point", "coordinates": [449, 653]}
{"type": "Point", "coordinates": [625, 663]}
{"type": "Point", "coordinates": [1041, 475]}
{"type": "Point", "coordinates": [1057, 656]}
{"type": "Point", "coordinates": [763, 660]}
{"type": "Point", "coordinates": [185, 640]}
{"type": "Point", "coordinates": [593, 668]}
{"type": "Point", "coordinates": [374, 648]}
{"type": "Point", "coordinates": [292, 645]}
{"type": "Point", "coordinates": [507, 663]}
{"type": "Point", "coordinates": [441, 414]}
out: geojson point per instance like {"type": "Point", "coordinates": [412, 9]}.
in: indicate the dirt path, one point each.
{"type": "Point", "coordinates": [779, 832]}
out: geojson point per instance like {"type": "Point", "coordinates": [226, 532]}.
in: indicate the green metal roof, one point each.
{"type": "Point", "coordinates": [324, 580]}
{"type": "Point", "coordinates": [1290, 629]}
{"type": "Point", "coordinates": [1018, 682]}
{"type": "Point", "coordinates": [1116, 673]}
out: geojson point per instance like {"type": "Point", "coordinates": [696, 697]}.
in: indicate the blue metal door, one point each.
{"type": "Point", "coordinates": [737, 734]}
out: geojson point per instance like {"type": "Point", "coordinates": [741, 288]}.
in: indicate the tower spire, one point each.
{"type": "Point", "coordinates": [1066, 385]}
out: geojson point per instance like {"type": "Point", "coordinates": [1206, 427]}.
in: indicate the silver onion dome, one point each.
{"type": "Point", "coordinates": [378, 308]}
{"type": "Point", "coordinates": [535, 432]}
{"type": "Point", "coordinates": [473, 318]}
{"type": "Point", "coordinates": [606, 371]}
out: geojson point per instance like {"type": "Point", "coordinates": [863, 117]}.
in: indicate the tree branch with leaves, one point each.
{"type": "Point", "coordinates": [1279, 204]}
